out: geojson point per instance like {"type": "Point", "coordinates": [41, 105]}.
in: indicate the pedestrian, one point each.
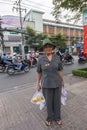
{"type": "Point", "coordinates": [50, 80]}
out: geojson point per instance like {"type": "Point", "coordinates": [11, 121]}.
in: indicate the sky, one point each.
{"type": "Point", "coordinates": [6, 7]}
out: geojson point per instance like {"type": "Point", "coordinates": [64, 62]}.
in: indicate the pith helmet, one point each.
{"type": "Point", "coordinates": [47, 42]}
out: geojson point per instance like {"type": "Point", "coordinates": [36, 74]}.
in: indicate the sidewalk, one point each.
{"type": "Point", "coordinates": [18, 113]}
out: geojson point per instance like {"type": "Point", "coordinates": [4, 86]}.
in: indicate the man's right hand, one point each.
{"type": "Point", "coordinates": [38, 87]}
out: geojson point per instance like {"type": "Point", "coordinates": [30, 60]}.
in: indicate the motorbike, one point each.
{"type": "Point", "coordinates": [13, 69]}
{"type": "Point", "coordinates": [32, 63]}
{"type": "Point", "coordinates": [82, 60]}
{"type": "Point", "coordinates": [68, 60]}
{"type": "Point", "coordinates": [3, 66]}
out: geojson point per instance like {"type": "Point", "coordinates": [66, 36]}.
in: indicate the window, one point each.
{"type": "Point", "coordinates": [16, 49]}
{"type": "Point", "coordinates": [26, 49]}
{"type": "Point", "coordinates": [7, 49]}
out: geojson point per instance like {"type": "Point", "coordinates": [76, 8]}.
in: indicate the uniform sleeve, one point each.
{"type": "Point", "coordinates": [60, 67]}
{"type": "Point", "coordinates": [39, 70]}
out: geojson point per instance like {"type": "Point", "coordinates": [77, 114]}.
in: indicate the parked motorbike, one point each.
{"type": "Point", "coordinates": [12, 69]}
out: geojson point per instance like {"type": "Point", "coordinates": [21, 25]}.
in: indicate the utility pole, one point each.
{"type": "Point", "coordinates": [18, 8]}
{"type": "Point", "coordinates": [1, 37]}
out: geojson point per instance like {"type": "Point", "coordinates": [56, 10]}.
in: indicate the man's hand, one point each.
{"type": "Point", "coordinates": [63, 83]}
{"type": "Point", "coordinates": [38, 87]}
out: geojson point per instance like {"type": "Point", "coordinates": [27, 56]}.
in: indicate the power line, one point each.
{"type": "Point", "coordinates": [36, 3]}
{"type": "Point", "coordinates": [36, 8]}
{"type": "Point", "coordinates": [6, 3]}
{"type": "Point", "coordinates": [24, 5]}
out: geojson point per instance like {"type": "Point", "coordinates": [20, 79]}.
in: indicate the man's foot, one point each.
{"type": "Point", "coordinates": [48, 123]}
{"type": "Point", "coordinates": [59, 122]}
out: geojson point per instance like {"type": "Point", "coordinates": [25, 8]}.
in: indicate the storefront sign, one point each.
{"type": "Point", "coordinates": [84, 16]}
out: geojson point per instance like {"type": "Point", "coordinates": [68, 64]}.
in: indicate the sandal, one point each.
{"type": "Point", "coordinates": [48, 123]}
{"type": "Point", "coordinates": [59, 122]}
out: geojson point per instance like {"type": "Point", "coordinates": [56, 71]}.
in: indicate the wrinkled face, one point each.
{"type": "Point", "coordinates": [48, 49]}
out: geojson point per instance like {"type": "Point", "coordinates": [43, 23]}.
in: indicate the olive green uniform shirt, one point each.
{"type": "Point", "coordinates": [50, 77]}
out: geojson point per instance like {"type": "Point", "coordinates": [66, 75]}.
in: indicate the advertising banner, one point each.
{"type": "Point", "coordinates": [85, 39]}
{"type": "Point", "coordinates": [85, 30]}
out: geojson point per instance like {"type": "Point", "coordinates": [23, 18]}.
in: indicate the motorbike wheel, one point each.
{"type": "Point", "coordinates": [2, 69]}
{"type": "Point", "coordinates": [72, 61]}
{"type": "Point", "coordinates": [10, 71]}
{"type": "Point", "coordinates": [27, 69]}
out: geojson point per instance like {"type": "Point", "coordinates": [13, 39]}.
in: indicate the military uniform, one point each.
{"type": "Point", "coordinates": [51, 84]}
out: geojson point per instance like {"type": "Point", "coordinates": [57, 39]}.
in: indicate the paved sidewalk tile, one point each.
{"type": "Point", "coordinates": [18, 113]}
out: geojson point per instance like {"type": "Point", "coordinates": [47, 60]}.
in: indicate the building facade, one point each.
{"type": "Point", "coordinates": [73, 33]}
{"type": "Point", "coordinates": [34, 19]}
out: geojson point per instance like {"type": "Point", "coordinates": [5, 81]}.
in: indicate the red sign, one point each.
{"type": "Point", "coordinates": [85, 39]}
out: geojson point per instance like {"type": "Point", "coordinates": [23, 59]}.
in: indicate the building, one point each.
{"type": "Point", "coordinates": [73, 33]}
{"type": "Point", "coordinates": [12, 39]}
{"type": "Point", "coordinates": [35, 20]}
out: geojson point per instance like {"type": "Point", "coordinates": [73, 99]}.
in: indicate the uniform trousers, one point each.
{"type": "Point", "coordinates": [53, 103]}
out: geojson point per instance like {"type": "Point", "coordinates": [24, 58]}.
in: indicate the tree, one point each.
{"type": "Point", "coordinates": [59, 40]}
{"type": "Point", "coordinates": [37, 38]}
{"type": "Point", "coordinates": [31, 35]}
{"type": "Point", "coordinates": [75, 6]}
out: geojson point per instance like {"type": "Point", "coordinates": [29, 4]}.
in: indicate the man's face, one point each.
{"type": "Point", "coordinates": [48, 49]}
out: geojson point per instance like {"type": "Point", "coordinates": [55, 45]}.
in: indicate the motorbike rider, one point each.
{"type": "Point", "coordinates": [28, 55]}
{"type": "Point", "coordinates": [81, 55]}
{"type": "Point", "coordinates": [68, 56]}
{"type": "Point", "coordinates": [15, 61]}
{"type": "Point", "coordinates": [5, 59]}
{"type": "Point", "coordinates": [59, 54]}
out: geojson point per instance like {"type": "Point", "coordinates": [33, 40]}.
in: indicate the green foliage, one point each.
{"type": "Point", "coordinates": [33, 37]}
{"type": "Point", "coordinates": [75, 6]}
{"type": "Point", "coordinates": [74, 41]}
{"type": "Point", "coordinates": [80, 72]}
{"type": "Point", "coordinates": [30, 38]}
{"type": "Point", "coordinates": [59, 40]}
{"type": "Point", "coordinates": [30, 31]}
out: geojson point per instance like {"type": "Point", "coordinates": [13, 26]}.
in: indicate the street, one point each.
{"type": "Point", "coordinates": [13, 82]}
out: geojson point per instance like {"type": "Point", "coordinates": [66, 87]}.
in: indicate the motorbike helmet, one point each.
{"type": "Point", "coordinates": [14, 54]}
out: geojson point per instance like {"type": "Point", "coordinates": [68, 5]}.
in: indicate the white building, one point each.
{"type": "Point", "coordinates": [34, 19]}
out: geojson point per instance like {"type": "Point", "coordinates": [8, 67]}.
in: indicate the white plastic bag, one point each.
{"type": "Point", "coordinates": [42, 104]}
{"type": "Point", "coordinates": [37, 98]}
{"type": "Point", "coordinates": [63, 96]}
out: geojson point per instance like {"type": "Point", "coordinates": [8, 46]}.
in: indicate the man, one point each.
{"type": "Point", "coordinates": [16, 61]}
{"type": "Point", "coordinates": [59, 54]}
{"type": "Point", "coordinates": [4, 59]}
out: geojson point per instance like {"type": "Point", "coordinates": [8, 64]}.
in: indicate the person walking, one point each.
{"type": "Point", "coordinates": [50, 80]}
